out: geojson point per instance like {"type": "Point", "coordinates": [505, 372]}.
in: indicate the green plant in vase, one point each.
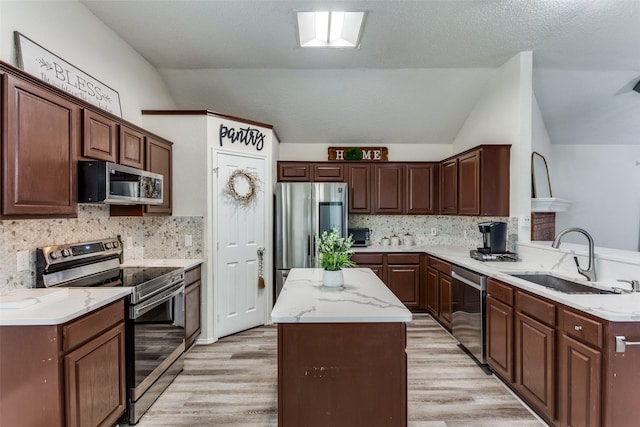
{"type": "Point", "coordinates": [334, 254]}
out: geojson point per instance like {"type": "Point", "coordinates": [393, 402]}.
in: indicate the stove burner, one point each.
{"type": "Point", "coordinates": [506, 256]}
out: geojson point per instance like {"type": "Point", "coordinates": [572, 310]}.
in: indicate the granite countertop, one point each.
{"type": "Point", "coordinates": [184, 263]}
{"type": "Point", "coordinates": [364, 298]}
{"type": "Point", "coordinates": [53, 306]}
{"type": "Point", "coordinates": [612, 307]}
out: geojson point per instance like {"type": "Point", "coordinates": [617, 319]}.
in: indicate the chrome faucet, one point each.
{"type": "Point", "coordinates": [590, 272]}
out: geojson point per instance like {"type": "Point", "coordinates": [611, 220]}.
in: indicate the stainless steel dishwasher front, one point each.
{"type": "Point", "coordinates": [468, 295]}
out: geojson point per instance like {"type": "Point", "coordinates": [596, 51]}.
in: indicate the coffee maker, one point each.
{"type": "Point", "coordinates": [494, 237]}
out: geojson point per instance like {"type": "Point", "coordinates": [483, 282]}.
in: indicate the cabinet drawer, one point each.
{"type": "Point", "coordinates": [397, 259]}
{"type": "Point", "coordinates": [442, 266]}
{"type": "Point", "coordinates": [500, 291]}
{"type": "Point", "coordinates": [192, 275]}
{"type": "Point", "coordinates": [581, 327]}
{"type": "Point", "coordinates": [537, 308]}
{"type": "Point", "coordinates": [293, 172]}
{"type": "Point", "coordinates": [78, 331]}
{"type": "Point", "coordinates": [367, 258]}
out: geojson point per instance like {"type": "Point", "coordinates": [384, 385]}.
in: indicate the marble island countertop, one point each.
{"type": "Point", "coordinates": [175, 262]}
{"type": "Point", "coordinates": [364, 298]}
{"type": "Point", "coordinates": [53, 306]}
{"type": "Point", "coordinates": [613, 307]}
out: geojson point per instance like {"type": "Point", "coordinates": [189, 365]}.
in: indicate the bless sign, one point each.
{"type": "Point", "coordinates": [375, 154]}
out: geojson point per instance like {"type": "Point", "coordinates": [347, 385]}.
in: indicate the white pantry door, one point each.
{"type": "Point", "coordinates": [240, 232]}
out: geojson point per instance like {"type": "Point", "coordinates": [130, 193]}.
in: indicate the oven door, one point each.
{"type": "Point", "coordinates": [156, 340]}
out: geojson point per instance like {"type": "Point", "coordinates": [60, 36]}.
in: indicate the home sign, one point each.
{"type": "Point", "coordinates": [354, 154]}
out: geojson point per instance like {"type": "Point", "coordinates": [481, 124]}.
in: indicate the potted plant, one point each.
{"type": "Point", "coordinates": [334, 255]}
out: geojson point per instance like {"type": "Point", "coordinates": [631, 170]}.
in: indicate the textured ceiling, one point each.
{"type": "Point", "coordinates": [420, 68]}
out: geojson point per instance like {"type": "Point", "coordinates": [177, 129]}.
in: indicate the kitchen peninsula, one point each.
{"type": "Point", "coordinates": [341, 352]}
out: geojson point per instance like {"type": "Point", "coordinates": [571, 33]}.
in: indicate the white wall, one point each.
{"type": "Point", "coordinates": [503, 116]}
{"type": "Point", "coordinates": [603, 184]}
{"type": "Point", "coordinates": [397, 152]}
{"type": "Point", "coordinates": [540, 140]}
{"type": "Point", "coordinates": [70, 31]}
{"type": "Point", "coordinates": [188, 133]}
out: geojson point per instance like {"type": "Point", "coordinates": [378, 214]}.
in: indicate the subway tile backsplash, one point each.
{"type": "Point", "coordinates": [459, 231]}
{"type": "Point", "coordinates": [144, 237]}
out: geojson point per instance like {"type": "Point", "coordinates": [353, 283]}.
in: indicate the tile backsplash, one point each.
{"type": "Point", "coordinates": [449, 230]}
{"type": "Point", "coordinates": [143, 237]}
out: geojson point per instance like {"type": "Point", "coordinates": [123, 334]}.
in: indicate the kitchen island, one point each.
{"type": "Point", "coordinates": [341, 352]}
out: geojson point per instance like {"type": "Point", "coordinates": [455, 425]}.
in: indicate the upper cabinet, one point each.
{"type": "Point", "coordinates": [100, 137]}
{"type": "Point", "coordinates": [359, 181]}
{"type": "Point", "coordinates": [39, 146]}
{"type": "Point", "coordinates": [476, 182]}
{"type": "Point", "coordinates": [420, 188]}
{"type": "Point", "coordinates": [132, 148]}
{"type": "Point", "coordinates": [159, 155]}
{"type": "Point", "coordinates": [388, 187]}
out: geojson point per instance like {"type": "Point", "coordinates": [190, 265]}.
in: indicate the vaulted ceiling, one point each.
{"type": "Point", "coordinates": [421, 66]}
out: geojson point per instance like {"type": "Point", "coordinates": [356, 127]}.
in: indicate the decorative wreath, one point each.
{"type": "Point", "coordinates": [253, 181]}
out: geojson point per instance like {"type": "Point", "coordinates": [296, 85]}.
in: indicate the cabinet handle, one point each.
{"type": "Point", "coordinates": [577, 327]}
{"type": "Point", "coordinates": [622, 343]}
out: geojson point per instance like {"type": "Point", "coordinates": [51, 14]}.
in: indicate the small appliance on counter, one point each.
{"type": "Point", "coordinates": [361, 237]}
{"type": "Point", "coordinates": [494, 243]}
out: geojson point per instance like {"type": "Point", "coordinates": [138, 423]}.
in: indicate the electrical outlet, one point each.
{"type": "Point", "coordinates": [434, 231]}
{"type": "Point", "coordinates": [188, 240]}
{"type": "Point", "coordinates": [129, 242]}
{"type": "Point", "coordinates": [23, 260]}
{"type": "Point", "coordinates": [525, 220]}
{"type": "Point", "coordinates": [464, 233]}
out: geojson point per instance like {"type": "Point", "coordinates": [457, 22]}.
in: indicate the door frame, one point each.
{"type": "Point", "coordinates": [212, 232]}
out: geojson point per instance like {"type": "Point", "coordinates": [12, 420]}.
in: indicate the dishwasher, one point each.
{"type": "Point", "coordinates": [468, 299]}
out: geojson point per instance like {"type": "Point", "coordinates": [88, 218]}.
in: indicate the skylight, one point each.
{"type": "Point", "coordinates": [329, 29]}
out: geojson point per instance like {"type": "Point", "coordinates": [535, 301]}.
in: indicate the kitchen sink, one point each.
{"type": "Point", "coordinates": [559, 284]}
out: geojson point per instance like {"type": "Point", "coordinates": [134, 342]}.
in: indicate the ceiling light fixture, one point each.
{"type": "Point", "coordinates": [330, 29]}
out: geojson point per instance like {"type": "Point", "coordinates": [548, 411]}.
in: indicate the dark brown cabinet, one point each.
{"type": "Point", "coordinates": [294, 172]}
{"type": "Point", "coordinates": [401, 272]}
{"type": "Point", "coordinates": [469, 183]}
{"type": "Point", "coordinates": [311, 172]}
{"type": "Point", "coordinates": [388, 188]}
{"type": "Point", "coordinates": [403, 278]}
{"type": "Point", "coordinates": [132, 148]}
{"type": "Point", "coordinates": [499, 321]}
{"type": "Point", "coordinates": [476, 182]}
{"type": "Point", "coordinates": [535, 352]}
{"type": "Point", "coordinates": [439, 297]}
{"type": "Point", "coordinates": [328, 172]}
{"type": "Point", "coordinates": [359, 182]}
{"type": "Point", "coordinates": [192, 301]}
{"type": "Point", "coordinates": [579, 370]}
{"type": "Point", "coordinates": [39, 144]}
{"type": "Point", "coordinates": [159, 155]}
{"type": "Point", "coordinates": [65, 375]}
{"type": "Point", "coordinates": [420, 189]}
{"type": "Point", "coordinates": [449, 187]}
{"type": "Point", "coordinates": [100, 138]}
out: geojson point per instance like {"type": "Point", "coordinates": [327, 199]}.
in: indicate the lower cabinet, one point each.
{"type": "Point", "coordinates": [64, 375]}
{"type": "Point", "coordinates": [401, 272]}
{"type": "Point", "coordinates": [192, 301]}
{"type": "Point", "coordinates": [499, 342]}
{"type": "Point", "coordinates": [438, 288]}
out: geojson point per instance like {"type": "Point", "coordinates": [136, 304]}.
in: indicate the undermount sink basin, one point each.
{"type": "Point", "coordinates": [559, 284]}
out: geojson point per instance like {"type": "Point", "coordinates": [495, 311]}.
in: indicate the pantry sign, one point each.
{"type": "Point", "coordinates": [354, 154]}
{"type": "Point", "coordinates": [39, 62]}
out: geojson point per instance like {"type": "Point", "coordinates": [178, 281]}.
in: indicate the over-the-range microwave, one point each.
{"type": "Point", "coordinates": [107, 182]}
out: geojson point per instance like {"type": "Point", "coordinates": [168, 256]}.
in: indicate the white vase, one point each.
{"type": "Point", "coordinates": [332, 279]}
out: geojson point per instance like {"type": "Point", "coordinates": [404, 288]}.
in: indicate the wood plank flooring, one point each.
{"type": "Point", "coordinates": [233, 383]}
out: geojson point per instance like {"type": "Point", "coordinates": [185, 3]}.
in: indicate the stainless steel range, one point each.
{"type": "Point", "coordinates": [154, 311]}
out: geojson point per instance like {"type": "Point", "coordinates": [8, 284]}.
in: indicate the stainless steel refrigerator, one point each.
{"type": "Point", "coordinates": [304, 210]}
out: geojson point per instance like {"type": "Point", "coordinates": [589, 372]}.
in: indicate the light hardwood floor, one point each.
{"type": "Point", "coordinates": [234, 383]}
